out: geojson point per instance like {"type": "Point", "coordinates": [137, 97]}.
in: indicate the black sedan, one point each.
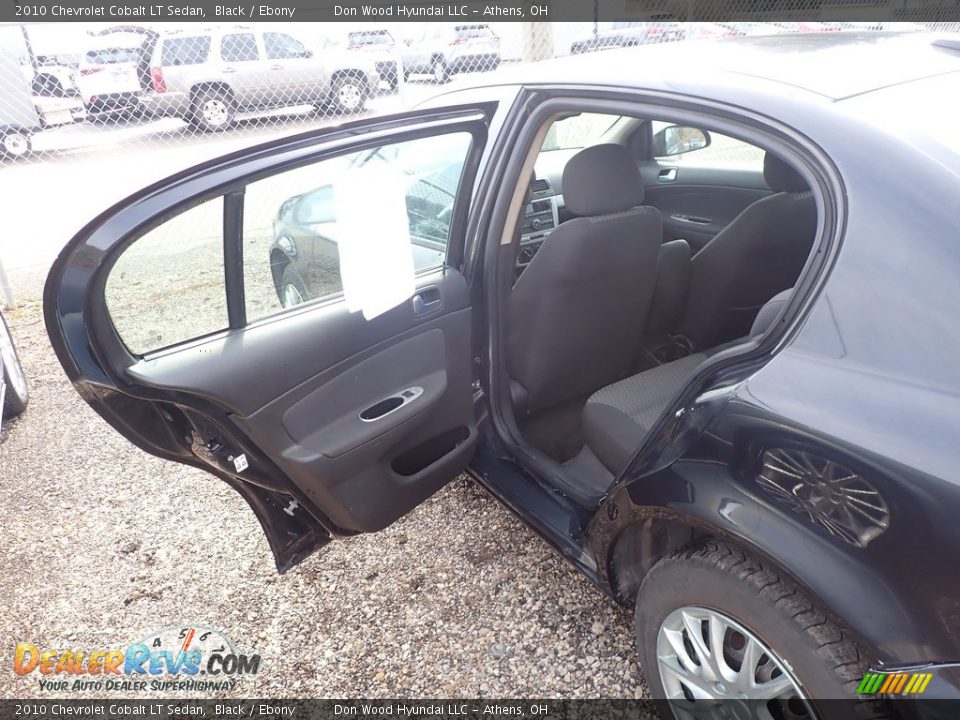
{"type": "Point", "coordinates": [304, 258]}
{"type": "Point", "coordinates": [695, 325]}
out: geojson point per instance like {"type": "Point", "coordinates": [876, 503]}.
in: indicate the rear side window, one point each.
{"type": "Point", "coordinates": [186, 50]}
{"type": "Point", "coordinates": [280, 46]}
{"type": "Point", "coordinates": [112, 56]}
{"type": "Point", "coordinates": [239, 47]}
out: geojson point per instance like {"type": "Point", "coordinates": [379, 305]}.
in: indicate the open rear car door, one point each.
{"type": "Point", "coordinates": [291, 318]}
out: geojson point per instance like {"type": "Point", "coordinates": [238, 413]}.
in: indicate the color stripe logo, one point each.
{"type": "Point", "coordinates": [894, 683]}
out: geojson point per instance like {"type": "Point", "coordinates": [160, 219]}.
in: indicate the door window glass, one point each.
{"type": "Point", "coordinates": [280, 46]}
{"type": "Point", "coordinates": [186, 50]}
{"type": "Point", "coordinates": [722, 150]}
{"type": "Point", "coordinates": [327, 230]}
{"type": "Point", "coordinates": [239, 47]}
{"type": "Point", "coordinates": [168, 286]}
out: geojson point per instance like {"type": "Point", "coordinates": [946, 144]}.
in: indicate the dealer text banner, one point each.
{"type": "Point", "coordinates": [463, 11]}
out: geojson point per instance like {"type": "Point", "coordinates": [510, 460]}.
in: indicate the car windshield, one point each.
{"type": "Point", "coordinates": [578, 131]}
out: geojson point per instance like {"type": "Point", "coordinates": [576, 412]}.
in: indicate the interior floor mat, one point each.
{"type": "Point", "coordinates": [555, 431]}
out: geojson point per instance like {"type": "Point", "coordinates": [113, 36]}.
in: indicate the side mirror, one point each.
{"type": "Point", "coordinates": [677, 139]}
{"type": "Point", "coordinates": [314, 208]}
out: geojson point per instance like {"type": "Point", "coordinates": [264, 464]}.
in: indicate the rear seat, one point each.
{"type": "Point", "coordinates": [618, 417]}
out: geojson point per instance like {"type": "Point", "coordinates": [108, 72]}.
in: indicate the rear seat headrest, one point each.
{"type": "Point", "coordinates": [600, 180]}
{"type": "Point", "coordinates": [770, 312]}
{"type": "Point", "coordinates": [781, 177]}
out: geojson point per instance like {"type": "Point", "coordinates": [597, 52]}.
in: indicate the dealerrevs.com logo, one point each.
{"type": "Point", "coordinates": [177, 658]}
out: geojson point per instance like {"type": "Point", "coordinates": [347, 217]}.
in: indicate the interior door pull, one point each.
{"type": "Point", "coordinates": [692, 219]}
{"type": "Point", "coordinates": [667, 175]}
{"type": "Point", "coordinates": [427, 301]}
{"type": "Point", "coordinates": [382, 408]}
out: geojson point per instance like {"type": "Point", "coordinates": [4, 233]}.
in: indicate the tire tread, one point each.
{"type": "Point", "coordinates": [834, 645]}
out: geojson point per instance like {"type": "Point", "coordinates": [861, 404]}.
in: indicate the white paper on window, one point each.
{"type": "Point", "coordinates": [373, 237]}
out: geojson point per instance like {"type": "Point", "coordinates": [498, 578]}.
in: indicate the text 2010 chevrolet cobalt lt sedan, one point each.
{"type": "Point", "coordinates": [694, 323]}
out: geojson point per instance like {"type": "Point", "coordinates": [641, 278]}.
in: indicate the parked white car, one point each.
{"type": "Point", "coordinates": [108, 75]}
{"type": "Point", "coordinates": [443, 50]}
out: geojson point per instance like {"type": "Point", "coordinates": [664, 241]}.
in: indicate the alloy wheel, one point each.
{"type": "Point", "coordinates": [291, 296]}
{"type": "Point", "coordinates": [349, 96]}
{"type": "Point", "coordinates": [705, 657]}
{"type": "Point", "coordinates": [16, 144]}
{"type": "Point", "coordinates": [215, 112]}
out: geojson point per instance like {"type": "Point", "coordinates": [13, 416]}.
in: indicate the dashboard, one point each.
{"type": "Point", "coordinates": [542, 215]}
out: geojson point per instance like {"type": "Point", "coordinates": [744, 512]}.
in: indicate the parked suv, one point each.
{"type": "Point", "coordinates": [208, 76]}
{"type": "Point", "coordinates": [443, 50]}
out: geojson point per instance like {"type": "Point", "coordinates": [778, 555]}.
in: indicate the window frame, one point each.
{"type": "Point", "coordinates": [230, 177]}
{"type": "Point", "coordinates": [336, 297]}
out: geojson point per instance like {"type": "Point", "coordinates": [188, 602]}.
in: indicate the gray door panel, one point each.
{"type": "Point", "coordinates": [297, 385]}
{"type": "Point", "coordinates": [699, 202]}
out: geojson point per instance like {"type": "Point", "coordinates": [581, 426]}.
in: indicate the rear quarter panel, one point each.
{"type": "Point", "coordinates": [869, 378]}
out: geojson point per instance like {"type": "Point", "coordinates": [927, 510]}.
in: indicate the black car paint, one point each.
{"type": "Point", "coordinates": [864, 370]}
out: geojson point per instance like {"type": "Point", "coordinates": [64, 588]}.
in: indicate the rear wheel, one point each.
{"type": "Point", "coordinates": [213, 110]}
{"type": "Point", "coordinates": [292, 290]}
{"type": "Point", "coordinates": [15, 143]}
{"type": "Point", "coordinates": [16, 396]}
{"type": "Point", "coordinates": [714, 623]}
{"type": "Point", "coordinates": [349, 94]}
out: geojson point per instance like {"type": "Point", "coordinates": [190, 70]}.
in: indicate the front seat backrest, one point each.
{"type": "Point", "coordinates": [576, 315]}
{"type": "Point", "coordinates": [759, 254]}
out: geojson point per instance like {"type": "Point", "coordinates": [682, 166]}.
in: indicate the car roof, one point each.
{"type": "Point", "coordinates": [833, 65]}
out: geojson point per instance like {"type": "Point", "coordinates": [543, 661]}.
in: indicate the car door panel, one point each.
{"type": "Point", "coordinates": [309, 421]}
{"type": "Point", "coordinates": [273, 407]}
{"type": "Point", "coordinates": [696, 203]}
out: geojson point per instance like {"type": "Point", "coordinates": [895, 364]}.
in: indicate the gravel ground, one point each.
{"type": "Point", "coordinates": [106, 544]}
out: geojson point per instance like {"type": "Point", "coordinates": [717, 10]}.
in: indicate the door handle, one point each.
{"type": "Point", "coordinates": [382, 408]}
{"type": "Point", "coordinates": [692, 219]}
{"type": "Point", "coordinates": [427, 301]}
{"type": "Point", "coordinates": [667, 175]}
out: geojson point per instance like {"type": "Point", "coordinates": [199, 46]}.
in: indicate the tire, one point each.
{"type": "Point", "coordinates": [348, 94]}
{"type": "Point", "coordinates": [16, 396]}
{"type": "Point", "coordinates": [15, 144]}
{"type": "Point", "coordinates": [291, 287]}
{"type": "Point", "coordinates": [213, 110]}
{"type": "Point", "coordinates": [440, 71]}
{"type": "Point", "coordinates": [721, 579]}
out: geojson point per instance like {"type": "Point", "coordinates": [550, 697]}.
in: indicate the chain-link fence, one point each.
{"type": "Point", "coordinates": [90, 112]}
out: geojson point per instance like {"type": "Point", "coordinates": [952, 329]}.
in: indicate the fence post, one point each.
{"type": "Point", "coordinates": [5, 288]}
{"type": "Point", "coordinates": [537, 41]}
